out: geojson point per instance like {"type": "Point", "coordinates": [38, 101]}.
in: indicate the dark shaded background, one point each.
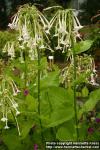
{"type": "Point", "coordinates": [9, 7]}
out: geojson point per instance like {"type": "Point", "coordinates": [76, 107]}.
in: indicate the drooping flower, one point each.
{"type": "Point", "coordinates": [3, 119]}
{"type": "Point", "coordinates": [14, 88]}
{"type": "Point", "coordinates": [6, 114]}
{"type": "Point", "coordinates": [14, 24]}
{"type": "Point", "coordinates": [42, 47]}
{"type": "Point", "coordinates": [25, 33]}
{"type": "Point", "coordinates": [6, 127]}
{"type": "Point", "coordinates": [47, 31]}
{"type": "Point", "coordinates": [10, 49]}
{"type": "Point", "coordinates": [17, 113]}
{"type": "Point", "coordinates": [58, 47]}
{"type": "Point", "coordinates": [8, 102]}
{"type": "Point", "coordinates": [93, 82]}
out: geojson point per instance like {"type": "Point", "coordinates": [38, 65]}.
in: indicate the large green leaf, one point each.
{"type": "Point", "coordinates": [56, 106]}
{"type": "Point", "coordinates": [14, 142]}
{"type": "Point", "coordinates": [66, 131]}
{"type": "Point", "coordinates": [82, 46]}
{"type": "Point", "coordinates": [94, 97]}
{"type": "Point", "coordinates": [26, 122]}
{"type": "Point", "coordinates": [57, 96]}
{"type": "Point", "coordinates": [51, 80]}
{"type": "Point", "coordinates": [59, 116]}
{"type": "Point", "coordinates": [31, 103]}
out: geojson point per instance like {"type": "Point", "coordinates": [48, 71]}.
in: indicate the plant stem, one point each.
{"type": "Point", "coordinates": [25, 67]}
{"type": "Point", "coordinates": [39, 58]}
{"type": "Point", "coordinates": [51, 109]}
{"type": "Point", "coordinates": [74, 88]}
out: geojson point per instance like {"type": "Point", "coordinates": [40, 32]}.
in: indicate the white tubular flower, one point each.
{"type": "Point", "coordinates": [63, 42]}
{"type": "Point", "coordinates": [92, 81]}
{"type": "Point", "coordinates": [15, 105]}
{"type": "Point", "coordinates": [4, 119]}
{"type": "Point", "coordinates": [17, 113]}
{"type": "Point", "coordinates": [77, 25]}
{"type": "Point", "coordinates": [38, 38]}
{"type": "Point", "coordinates": [9, 47]}
{"type": "Point", "coordinates": [47, 31]}
{"type": "Point", "coordinates": [14, 90]}
{"type": "Point", "coordinates": [78, 35]}
{"type": "Point", "coordinates": [15, 87]}
{"type": "Point", "coordinates": [42, 47]}
{"type": "Point", "coordinates": [21, 57]}
{"type": "Point", "coordinates": [14, 24]}
{"type": "Point", "coordinates": [6, 127]}
{"type": "Point", "coordinates": [31, 56]}
{"type": "Point", "coordinates": [62, 30]}
{"type": "Point", "coordinates": [25, 33]}
{"type": "Point", "coordinates": [20, 38]}
{"type": "Point", "coordinates": [55, 35]}
{"type": "Point", "coordinates": [34, 43]}
{"type": "Point", "coordinates": [21, 47]}
{"type": "Point", "coordinates": [58, 47]}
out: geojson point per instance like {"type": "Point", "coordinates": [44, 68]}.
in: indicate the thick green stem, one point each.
{"type": "Point", "coordinates": [39, 58]}
{"type": "Point", "coordinates": [74, 88]}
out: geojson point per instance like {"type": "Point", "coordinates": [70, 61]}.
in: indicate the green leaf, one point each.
{"type": "Point", "coordinates": [31, 103]}
{"type": "Point", "coordinates": [43, 64]}
{"type": "Point", "coordinates": [14, 142]}
{"type": "Point", "coordinates": [56, 106]}
{"type": "Point", "coordinates": [82, 46]}
{"type": "Point", "coordinates": [66, 131]}
{"type": "Point", "coordinates": [83, 131]}
{"type": "Point", "coordinates": [60, 116]}
{"type": "Point", "coordinates": [56, 97]}
{"type": "Point", "coordinates": [94, 98]}
{"type": "Point", "coordinates": [51, 80]}
{"type": "Point", "coordinates": [25, 126]}
{"type": "Point", "coordinates": [85, 92]}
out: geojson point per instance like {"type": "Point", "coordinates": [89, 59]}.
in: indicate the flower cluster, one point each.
{"type": "Point", "coordinates": [8, 104]}
{"type": "Point", "coordinates": [64, 28]}
{"type": "Point", "coordinates": [14, 24]}
{"type": "Point", "coordinates": [84, 65]}
{"type": "Point", "coordinates": [10, 49]}
{"type": "Point", "coordinates": [31, 31]}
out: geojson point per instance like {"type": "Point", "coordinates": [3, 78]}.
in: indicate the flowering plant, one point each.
{"type": "Point", "coordinates": [8, 103]}
{"type": "Point", "coordinates": [45, 107]}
